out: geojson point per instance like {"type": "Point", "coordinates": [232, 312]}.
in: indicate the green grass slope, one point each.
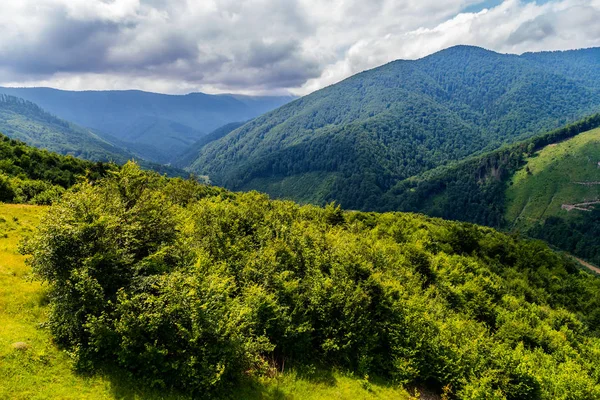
{"type": "Point", "coordinates": [42, 371]}
{"type": "Point", "coordinates": [384, 125]}
{"type": "Point", "coordinates": [544, 187]}
{"type": "Point", "coordinates": [565, 173]}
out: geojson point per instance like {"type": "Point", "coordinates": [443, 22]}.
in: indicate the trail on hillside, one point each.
{"type": "Point", "coordinates": [587, 265]}
{"type": "Point", "coordinates": [587, 206]}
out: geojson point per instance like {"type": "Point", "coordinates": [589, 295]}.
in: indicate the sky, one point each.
{"type": "Point", "coordinates": [263, 47]}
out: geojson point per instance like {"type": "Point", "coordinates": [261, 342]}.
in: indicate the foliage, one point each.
{"type": "Point", "coordinates": [388, 124]}
{"type": "Point", "coordinates": [519, 187]}
{"type": "Point", "coordinates": [25, 121]}
{"type": "Point", "coordinates": [579, 237]}
{"type": "Point", "coordinates": [474, 190]}
{"type": "Point", "coordinates": [43, 371]}
{"type": "Point", "coordinates": [190, 286]}
{"type": "Point", "coordinates": [191, 152]}
{"type": "Point", "coordinates": [29, 175]}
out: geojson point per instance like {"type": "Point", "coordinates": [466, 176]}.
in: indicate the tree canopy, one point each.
{"type": "Point", "coordinates": [353, 141]}
{"type": "Point", "coordinates": [191, 286]}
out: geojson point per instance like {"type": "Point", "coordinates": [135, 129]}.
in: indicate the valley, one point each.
{"type": "Point", "coordinates": [151, 126]}
{"type": "Point", "coordinates": [425, 229]}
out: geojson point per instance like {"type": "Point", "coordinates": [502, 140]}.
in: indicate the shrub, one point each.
{"type": "Point", "coordinates": [194, 287]}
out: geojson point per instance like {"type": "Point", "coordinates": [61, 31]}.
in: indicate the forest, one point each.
{"type": "Point", "coordinates": [356, 139]}
{"type": "Point", "coordinates": [474, 190]}
{"type": "Point", "coordinates": [26, 121]}
{"type": "Point", "coordinates": [195, 288]}
{"type": "Point", "coordinates": [30, 175]}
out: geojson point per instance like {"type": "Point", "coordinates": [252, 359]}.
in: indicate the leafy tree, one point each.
{"type": "Point", "coordinates": [190, 286]}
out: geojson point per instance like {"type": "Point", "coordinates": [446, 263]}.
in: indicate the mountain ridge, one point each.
{"type": "Point", "coordinates": [174, 121]}
{"type": "Point", "coordinates": [398, 120]}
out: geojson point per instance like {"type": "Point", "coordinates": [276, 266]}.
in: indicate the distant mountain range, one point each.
{"type": "Point", "coordinates": [25, 121]}
{"type": "Point", "coordinates": [156, 127]}
{"type": "Point", "coordinates": [353, 141]}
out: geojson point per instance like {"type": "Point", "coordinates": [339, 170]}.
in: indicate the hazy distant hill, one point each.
{"type": "Point", "coordinates": [155, 126]}
{"type": "Point", "coordinates": [352, 141]}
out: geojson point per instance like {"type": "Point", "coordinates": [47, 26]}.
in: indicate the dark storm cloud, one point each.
{"type": "Point", "coordinates": [233, 44]}
{"type": "Point", "coordinates": [73, 47]}
{"type": "Point", "coordinates": [262, 54]}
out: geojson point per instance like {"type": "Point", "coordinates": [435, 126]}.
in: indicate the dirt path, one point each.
{"type": "Point", "coordinates": [580, 206]}
{"type": "Point", "coordinates": [587, 265]}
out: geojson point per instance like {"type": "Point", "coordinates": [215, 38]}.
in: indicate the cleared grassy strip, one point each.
{"type": "Point", "coordinates": [552, 177]}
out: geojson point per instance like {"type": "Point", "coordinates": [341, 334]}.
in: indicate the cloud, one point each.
{"type": "Point", "coordinates": [262, 46]}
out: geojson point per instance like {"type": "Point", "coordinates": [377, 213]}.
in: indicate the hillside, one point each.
{"type": "Point", "coordinates": [543, 187]}
{"type": "Point", "coordinates": [154, 126]}
{"type": "Point", "coordinates": [213, 290]}
{"type": "Point", "coordinates": [190, 154]}
{"type": "Point", "coordinates": [43, 371]}
{"type": "Point", "coordinates": [555, 195]}
{"type": "Point", "coordinates": [26, 121]}
{"type": "Point", "coordinates": [31, 175]}
{"type": "Point", "coordinates": [552, 179]}
{"type": "Point", "coordinates": [351, 142]}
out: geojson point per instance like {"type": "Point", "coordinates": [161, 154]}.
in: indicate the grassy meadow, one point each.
{"type": "Point", "coordinates": [548, 180]}
{"type": "Point", "coordinates": [42, 371]}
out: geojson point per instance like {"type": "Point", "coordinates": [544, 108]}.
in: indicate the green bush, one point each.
{"type": "Point", "coordinates": [194, 287]}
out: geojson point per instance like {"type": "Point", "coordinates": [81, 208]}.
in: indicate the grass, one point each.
{"type": "Point", "coordinates": [42, 371]}
{"type": "Point", "coordinates": [546, 182]}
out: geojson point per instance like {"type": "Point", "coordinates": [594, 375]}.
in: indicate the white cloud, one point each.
{"type": "Point", "coordinates": [512, 27]}
{"type": "Point", "coordinates": [261, 46]}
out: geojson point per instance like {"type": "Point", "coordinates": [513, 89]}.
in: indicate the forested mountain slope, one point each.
{"type": "Point", "coordinates": [191, 153]}
{"type": "Point", "coordinates": [154, 126]}
{"type": "Point", "coordinates": [352, 141]}
{"type": "Point", "coordinates": [26, 121]}
{"type": "Point", "coordinates": [546, 187]}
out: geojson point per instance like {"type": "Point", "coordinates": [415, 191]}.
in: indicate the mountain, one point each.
{"type": "Point", "coordinates": [26, 121]}
{"type": "Point", "coordinates": [23, 120]}
{"type": "Point", "coordinates": [353, 141]}
{"type": "Point", "coordinates": [545, 187]}
{"type": "Point", "coordinates": [190, 154]}
{"type": "Point", "coordinates": [154, 126]}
